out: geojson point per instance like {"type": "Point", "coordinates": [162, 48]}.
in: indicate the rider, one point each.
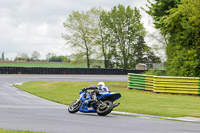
{"type": "Point", "coordinates": [101, 87]}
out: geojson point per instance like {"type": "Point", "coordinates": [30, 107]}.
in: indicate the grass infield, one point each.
{"type": "Point", "coordinates": [134, 101]}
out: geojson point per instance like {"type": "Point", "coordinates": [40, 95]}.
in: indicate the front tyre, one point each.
{"type": "Point", "coordinates": [105, 108]}
{"type": "Point", "coordinates": [74, 107]}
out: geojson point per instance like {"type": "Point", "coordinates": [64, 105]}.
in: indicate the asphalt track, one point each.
{"type": "Point", "coordinates": [22, 111]}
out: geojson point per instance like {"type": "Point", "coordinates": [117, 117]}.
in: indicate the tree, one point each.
{"type": "Point", "coordinates": [150, 57]}
{"type": "Point", "coordinates": [58, 59]}
{"type": "Point", "coordinates": [77, 58]}
{"type": "Point", "coordinates": [2, 56]}
{"type": "Point", "coordinates": [122, 29]}
{"type": "Point", "coordinates": [140, 51]}
{"type": "Point", "coordinates": [49, 55]}
{"type": "Point", "coordinates": [22, 57]}
{"type": "Point", "coordinates": [181, 26]}
{"type": "Point", "coordinates": [35, 55]}
{"type": "Point", "coordinates": [159, 8]}
{"type": "Point", "coordinates": [81, 33]}
{"type": "Point", "coordinates": [116, 35]}
{"type": "Point", "coordinates": [95, 13]}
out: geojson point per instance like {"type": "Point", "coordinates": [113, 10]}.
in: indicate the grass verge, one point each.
{"type": "Point", "coordinates": [136, 101]}
{"type": "Point", "coordinates": [44, 65]}
{"type": "Point", "coordinates": [50, 65]}
{"type": "Point", "coordinates": [8, 131]}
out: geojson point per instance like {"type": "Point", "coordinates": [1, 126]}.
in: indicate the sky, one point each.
{"type": "Point", "coordinates": [37, 25]}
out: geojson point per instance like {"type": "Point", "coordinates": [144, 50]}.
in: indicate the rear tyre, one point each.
{"type": "Point", "coordinates": [105, 108]}
{"type": "Point", "coordinates": [74, 107]}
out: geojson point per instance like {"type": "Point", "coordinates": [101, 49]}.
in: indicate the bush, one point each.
{"type": "Point", "coordinates": [156, 72]}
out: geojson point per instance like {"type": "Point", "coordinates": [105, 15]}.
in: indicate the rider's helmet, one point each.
{"type": "Point", "coordinates": [101, 85]}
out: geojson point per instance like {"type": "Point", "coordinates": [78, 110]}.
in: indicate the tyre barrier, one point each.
{"type": "Point", "coordinates": [164, 84]}
{"type": "Point", "coordinates": [140, 81]}
{"type": "Point", "coordinates": [44, 70]}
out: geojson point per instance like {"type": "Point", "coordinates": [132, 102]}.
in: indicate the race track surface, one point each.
{"type": "Point", "coordinates": [22, 111]}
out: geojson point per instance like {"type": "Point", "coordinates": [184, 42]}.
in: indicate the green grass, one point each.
{"type": "Point", "coordinates": [8, 131]}
{"type": "Point", "coordinates": [39, 65]}
{"type": "Point", "coordinates": [47, 65]}
{"type": "Point", "coordinates": [136, 101]}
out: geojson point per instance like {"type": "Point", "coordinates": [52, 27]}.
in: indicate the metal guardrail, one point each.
{"type": "Point", "coordinates": [166, 84]}
{"type": "Point", "coordinates": [45, 70]}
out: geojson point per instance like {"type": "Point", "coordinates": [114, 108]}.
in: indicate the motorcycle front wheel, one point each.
{"type": "Point", "coordinates": [74, 107]}
{"type": "Point", "coordinates": [105, 108]}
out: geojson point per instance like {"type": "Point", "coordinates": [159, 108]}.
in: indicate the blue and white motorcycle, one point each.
{"type": "Point", "coordinates": [94, 101]}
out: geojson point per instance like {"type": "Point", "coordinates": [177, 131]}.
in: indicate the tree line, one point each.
{"type": "Point", "coordinates": [178, 21]}
{"type": "Point", "coordinates": [116, 36]}
{"type": "Point", "coordinates": [35, 56]}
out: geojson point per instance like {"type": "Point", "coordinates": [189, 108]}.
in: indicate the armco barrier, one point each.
{"type": "Point", "coordinates": [166, 84]}
{"type": "Point", "coordinates": [43, 70]}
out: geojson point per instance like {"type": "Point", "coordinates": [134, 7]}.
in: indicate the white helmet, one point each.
{"type": "Point", "coordinates": [101, 85]}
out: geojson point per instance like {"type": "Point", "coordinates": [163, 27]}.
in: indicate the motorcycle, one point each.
{"type": "Point", "coordinates": [94, 101]}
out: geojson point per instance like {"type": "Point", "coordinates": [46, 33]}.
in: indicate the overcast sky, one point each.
{"type": "Point", "coordinates": [29, 25]}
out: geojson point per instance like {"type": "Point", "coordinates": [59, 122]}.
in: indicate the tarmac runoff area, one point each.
{"type": "Point", "coordinates": [184, 119]}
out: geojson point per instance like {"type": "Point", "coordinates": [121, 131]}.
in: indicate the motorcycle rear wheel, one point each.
{"type": "Point", "coordinates": [105, 108]}
{"type": "Point", "coordinates": [74, 107]}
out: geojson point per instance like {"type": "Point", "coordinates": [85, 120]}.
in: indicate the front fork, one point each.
{"type": "Point", "coordinates": [78, 100]}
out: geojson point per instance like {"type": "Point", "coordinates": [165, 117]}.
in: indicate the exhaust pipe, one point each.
{"type": "Point", "coordinates": [116, 104]}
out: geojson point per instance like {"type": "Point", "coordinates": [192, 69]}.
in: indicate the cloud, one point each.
{"type": "Point", "coordinates": [29, 25]}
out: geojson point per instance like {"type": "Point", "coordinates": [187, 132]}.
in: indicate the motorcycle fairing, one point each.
{"type": "Point", "coordinates": [85, 98]}
{"type": "Point", "coordinates": [109, 96]}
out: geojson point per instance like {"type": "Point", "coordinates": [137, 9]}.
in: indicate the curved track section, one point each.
{"type": "Point", "coordinates": [22, 111]}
